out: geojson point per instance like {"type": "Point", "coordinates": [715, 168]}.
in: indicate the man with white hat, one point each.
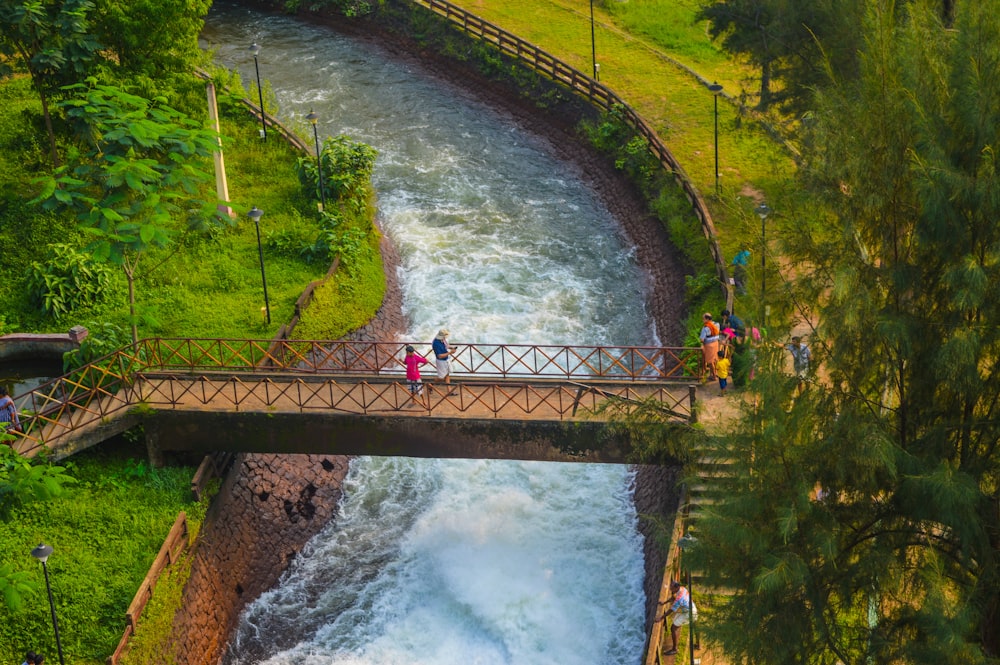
{"type": "Point", "coordinates": [442, 353]}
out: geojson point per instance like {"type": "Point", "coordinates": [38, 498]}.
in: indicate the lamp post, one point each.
{"type": "Point", "coordinates": [763, 210]}
{"type": "Point", "coordinates": [715, 89]}
{"type": "Point", "coordinates": [255, 49]}
{"type": "Point", "coordinates": [687, 542]}
{"type": "Point", "coordinates": [312, 118]}
{"type": "Point", "coordinates": [42, 553]}
{"type": "Point", "coordinates": [255, 214]}
{"type": "Point", "coordinates": [593, 43]}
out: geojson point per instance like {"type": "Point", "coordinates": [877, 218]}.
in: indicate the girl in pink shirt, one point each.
{"type": "Point", "coordinates": [413, 363]}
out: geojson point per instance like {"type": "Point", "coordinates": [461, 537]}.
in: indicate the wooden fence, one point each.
{"type": "Point", "coordinates": [671, 571]}
{"type": "Point", "coordinates": [602, 98]}
{"type": "Point", "coordinates": [175, 543]}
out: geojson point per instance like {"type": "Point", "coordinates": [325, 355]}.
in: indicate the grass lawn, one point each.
{"type": "Point", "coordinates": [105, 532]}
{"type": "Point", "coordinates": [203, 285]}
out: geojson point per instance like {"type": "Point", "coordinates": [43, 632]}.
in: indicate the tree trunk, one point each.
{"type": "Point", "coordinates": [765, 86]}
{"type": "Point", "coordinates": [48, 127]}
{"type": "Point", "coordinates": [130, 276]}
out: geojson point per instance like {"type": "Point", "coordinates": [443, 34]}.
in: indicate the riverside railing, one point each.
{"type": "Point", "coordinates": [501, 380]}
{"type": "Point", "coordinates": [597, 94]}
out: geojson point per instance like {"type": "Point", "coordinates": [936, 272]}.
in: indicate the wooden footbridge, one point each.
{"type": "Point", "coordinates": [518, 401]}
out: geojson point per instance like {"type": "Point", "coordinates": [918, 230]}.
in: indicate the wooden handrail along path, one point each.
{"type": "Point", "coordinates": [598, 95]}
{"type": "Point", "coordinates": [498, 381]}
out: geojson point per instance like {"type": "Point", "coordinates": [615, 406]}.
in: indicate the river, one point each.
{"type": "Point", "coordinates": [441, 562]}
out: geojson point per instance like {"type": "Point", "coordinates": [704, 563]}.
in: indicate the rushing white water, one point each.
{"type": "Point", "coordinates": [459, 561]}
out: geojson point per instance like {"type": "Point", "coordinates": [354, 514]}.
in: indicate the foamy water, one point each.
{"type": "Point", "coordinates": [459, 561]}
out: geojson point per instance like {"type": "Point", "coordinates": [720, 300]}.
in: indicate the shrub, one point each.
{"type": "Point", "coordinates": [68, 280]}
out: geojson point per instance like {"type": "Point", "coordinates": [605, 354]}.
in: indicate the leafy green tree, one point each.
{"type": "Point", "coordinates": [136, 178]}
{"type": "Point", "coordinates": [151, 37]}
{"type": "Point", "coordinates": [53, 41]}
{"type": "Point", "coordinates": [862, 523]}
{"type": "Point", "coordinates": [791, 42]}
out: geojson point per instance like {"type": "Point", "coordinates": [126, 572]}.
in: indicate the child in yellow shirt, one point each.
{"type": "Point", "coordinates": [722, 369]}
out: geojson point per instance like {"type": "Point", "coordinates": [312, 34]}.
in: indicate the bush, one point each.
{"type": "Point", "coordinates": [68, 280]}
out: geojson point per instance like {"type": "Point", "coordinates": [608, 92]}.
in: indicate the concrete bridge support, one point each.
{"type": "Point", "coordinates": [406, 436]}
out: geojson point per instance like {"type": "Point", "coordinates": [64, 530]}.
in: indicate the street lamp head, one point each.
{"type": "Point", "coordinates": [312, 117]}
{"type": "Point", "coordinates": [715, 88]}
{"type": "Point", "coordinates": [42, 552]}
{"type": "Point", "coordinates": [255, 214]}
{"type": "Point", "coordinates": [686, 542]}
{"type": "Point", "coordinates": [763, 210]}
{"type": "Point", "coordinates": [255, 49]}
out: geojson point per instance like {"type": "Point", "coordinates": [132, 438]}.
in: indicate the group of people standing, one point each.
{"type": "Point", "coordinates": [728, 350]}
{"type": "Point", "coordinates": [720, 342]}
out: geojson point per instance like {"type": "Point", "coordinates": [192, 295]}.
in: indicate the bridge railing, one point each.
{"type": "Point", "coordinates": [505, 361]}
{"type": "Point", "coordinates": [99, 390]}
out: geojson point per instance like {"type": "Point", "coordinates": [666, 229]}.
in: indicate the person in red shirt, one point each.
{"type": "Point", "coordinates": [413, 361]}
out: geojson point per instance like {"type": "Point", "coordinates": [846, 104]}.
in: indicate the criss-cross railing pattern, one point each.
{"type": "Point", "coordinates": [491, 380]}
{"type": "Point", "coordinates": [635, 363]}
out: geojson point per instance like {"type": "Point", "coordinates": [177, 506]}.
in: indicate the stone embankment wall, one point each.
{"type": "Point", "coordinates": [267, 509]}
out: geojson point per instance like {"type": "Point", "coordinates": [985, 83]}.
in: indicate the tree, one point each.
{"type": "Point", "coordinates": [862, 525]}
{"type": "Point", "coordinates": [135, 179]}
{"type": "Point", "coordinates": [125, 28]}
{"type": "Point", "coordinates": [53, 41]}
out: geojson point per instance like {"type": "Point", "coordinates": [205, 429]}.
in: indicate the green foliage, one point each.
{"type": "Point", "coordinates": [647, 426]}
{"type": "Point", "coordinates": [896, 560]}
{"type": "Point", "coordinates": [54, 43]}
{"type": "Point", "coordinates": [23, 481]}
{"type": "Point", "coordinates": [347, 170]}
{"type": "Point", "coordinates": [137, 169]}
{"type": "Point", "coordinates": [102, 339]}
{"type": "Point", "coordinates": [14, 586]}
{"type": "Point", "coordinates": [348, 300]}
{"type": "Point", "coordinates": [105, 537]}
{"type": "Point", "coordinates": [152, 643]}
{"type": "Point", "coordinates": [67, 280]}
{"type": "Point", "coordinates": [126, 30]}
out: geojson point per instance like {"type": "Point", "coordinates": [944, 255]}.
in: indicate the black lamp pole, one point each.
{"type": "Point", "coordinates": [687, 543]}
{"type": "Point", "coordinates": [255, 214]}
{"type": "Point", "coordinates": [593, 43]}
{"type": "Point", "coordinates": [763, 210]}
{"type": "Point", "coordinates": [715, 89]}
{"type": "Point", "coordinates": [255, 49]}
{"type": "Point", "coordinates": [42, 553]}
{"type": "Point", "coordinates": [312, 118]}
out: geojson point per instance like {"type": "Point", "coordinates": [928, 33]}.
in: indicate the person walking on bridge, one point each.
{"type": "Point", "coordinates": [442, 355]}
{"type": "Point", "coordinates": [413, 362]}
